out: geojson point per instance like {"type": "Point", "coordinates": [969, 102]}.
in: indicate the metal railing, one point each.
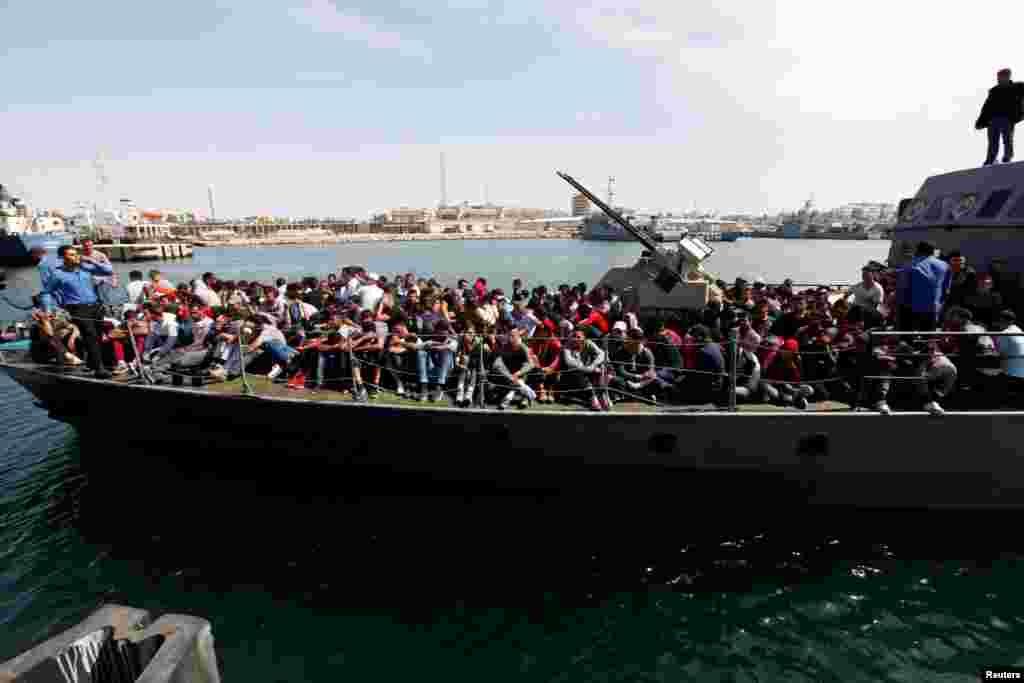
{"type": "Point", "coordinates": [919, 336]}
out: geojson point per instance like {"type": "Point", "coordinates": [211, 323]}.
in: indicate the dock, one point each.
{"type": "Point", "coordinates": [146, 252]}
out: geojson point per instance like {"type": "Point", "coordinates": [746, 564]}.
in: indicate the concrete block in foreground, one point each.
{"type": "Point", "coordinates": [119, 644]}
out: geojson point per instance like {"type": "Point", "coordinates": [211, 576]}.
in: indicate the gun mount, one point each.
{"type": "Point", "coordinates": [662, 278]}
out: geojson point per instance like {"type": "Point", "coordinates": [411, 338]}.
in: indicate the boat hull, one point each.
{"type": "Point", "coordinates": [914, 461]}
{"type": "Point", "coordinates": [14, 249]}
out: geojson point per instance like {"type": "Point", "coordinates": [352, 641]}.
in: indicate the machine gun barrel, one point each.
{"type": "Point", "coordinates": [668, 276]}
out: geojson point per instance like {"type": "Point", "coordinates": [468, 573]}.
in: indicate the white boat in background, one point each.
{"type": "Point", "coordinates": [21, 231]}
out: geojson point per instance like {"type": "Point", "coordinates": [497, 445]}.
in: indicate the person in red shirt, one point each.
{"type": "Point", "coordinates": [589, 317]}
{"type": "Point", "coordinates": [784, 375]}
{"type": "Point", "coordinates": [547, 351]}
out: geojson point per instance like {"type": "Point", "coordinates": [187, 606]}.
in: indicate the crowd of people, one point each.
{"type": "Point", "coordinates": [470, 344]}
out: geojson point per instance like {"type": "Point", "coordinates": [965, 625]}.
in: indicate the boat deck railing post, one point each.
{"type": "Point", "coordinates": [483, 375]}
{"type": "Point", "coordinates": [733, 371]}
{"type": "Point", "coordinates": [863, 366]}
{"type": "Point", "coordinates": [247, 389]}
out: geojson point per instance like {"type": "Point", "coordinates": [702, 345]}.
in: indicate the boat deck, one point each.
{"type": "Point", "coordinates": [265, 388]}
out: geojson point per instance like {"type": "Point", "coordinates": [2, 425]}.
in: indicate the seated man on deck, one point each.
{"type": "Point", "coordinates": [583, 372]}
{"type": "Point", "coordinates": [635, 372]}
{"type": "Point", "coordinates": [163, 332]}
{"type": "Point", "coordinates": [706, 382]}
{"type": "Point", "coordinates": [782, 381]}
{"type": "Point", "coordinates": [512, 364]}
{"type": "Point", "coordinates": [368, 354]}
{"type": "Point", "coordinates": [47, 346]}
{"type": "Point", "coordinates": [192, 347]}
{"type": "Point", "coordinates": [272, 340]}
{"type": "Point", "coordinates": [435, 355]}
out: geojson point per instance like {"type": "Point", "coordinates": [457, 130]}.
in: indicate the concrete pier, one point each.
{"type": "Point", "coordinates": [146, 252]}
{"type": "Point", "coordinates": [121, 644]}
{"type": "Point", "coordinates": [286, 240]}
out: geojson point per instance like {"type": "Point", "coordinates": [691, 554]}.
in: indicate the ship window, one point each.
{"type": "Point", "coordinates": [1018, 209]}
{"type": "Point", "coordinates": [994, 204]}
{"type": "Point", "coordinates": [935, 210]}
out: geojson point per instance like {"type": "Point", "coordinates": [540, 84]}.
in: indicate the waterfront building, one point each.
{"type": "Point", "coordinates": [580, 205]}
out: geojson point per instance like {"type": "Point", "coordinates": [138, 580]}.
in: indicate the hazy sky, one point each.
{"type": "Point", "coordinates": [311, 107]}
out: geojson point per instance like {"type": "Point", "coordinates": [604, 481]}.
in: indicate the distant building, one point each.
{"type": "Point", "coordinates": [580, 205]}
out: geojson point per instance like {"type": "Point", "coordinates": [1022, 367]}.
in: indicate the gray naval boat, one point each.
{"type": "Point", "coordinates": [710, 457]}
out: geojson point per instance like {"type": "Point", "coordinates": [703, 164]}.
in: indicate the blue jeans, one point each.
{"type": "Point", "coordinates": [281, 352]}
{"type": "Point", "coordinates": [1000, 127]}
{"type": "Point", "coordinates": [329, 363]}
{"type": "Point", "coordinates": [433, 364]}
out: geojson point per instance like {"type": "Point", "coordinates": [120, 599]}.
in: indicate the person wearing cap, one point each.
{"type": "Point", "coordinates": [783, 378]}
{"type": "Point", "coordinates": [1002, 111]}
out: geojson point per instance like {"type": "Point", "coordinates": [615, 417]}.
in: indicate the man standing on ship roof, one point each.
{"type": "Point", "coordinates": [1003, 109]}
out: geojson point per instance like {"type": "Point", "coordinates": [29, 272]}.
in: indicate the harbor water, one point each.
{"type": "Point", "coordinates": [336, 579]}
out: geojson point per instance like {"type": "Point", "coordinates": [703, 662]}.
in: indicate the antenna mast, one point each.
{"type": "Point", "coordinates": [444, 182]}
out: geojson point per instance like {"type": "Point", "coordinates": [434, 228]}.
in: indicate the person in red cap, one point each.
{"type": "Point", "coordinates": [1003, 109]}
{"type": "Point", "coordinates": [784, 376]}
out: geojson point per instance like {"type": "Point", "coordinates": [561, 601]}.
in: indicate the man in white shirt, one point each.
{"type": "Point", "coordinates": [203, 291]}
{"type": "Point", "coordinates": [867, 293]}
{"type": "Point", "coordinates": [163, 330]}
{"type": "Point", "coordinates": [135, 287]}
{"type": "Point", "coordinates": [370, 293]}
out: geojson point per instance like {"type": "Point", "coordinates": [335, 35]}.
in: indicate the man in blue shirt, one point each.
{"type": "Point", "coordinates": [921, 289]}
{"type": "Point", "coordinates": [45, 270]}
{"type": "Point", "coordinates": [72, 285]}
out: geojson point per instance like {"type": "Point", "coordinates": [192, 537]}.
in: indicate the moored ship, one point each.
{"type": "Point", "coordinates": [20, 232]}
{"type": "Point", "coordinates": [917, 460]}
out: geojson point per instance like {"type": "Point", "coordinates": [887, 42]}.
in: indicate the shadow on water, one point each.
{"type": "Point", "coordinates": [311, 576]}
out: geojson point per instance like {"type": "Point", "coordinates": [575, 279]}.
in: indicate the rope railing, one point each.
{"type": "Point", "coordinates": [865, 344]}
